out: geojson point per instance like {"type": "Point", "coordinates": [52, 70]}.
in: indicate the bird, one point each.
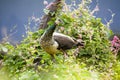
{"type": "Point", "coordinates": [53, 42]}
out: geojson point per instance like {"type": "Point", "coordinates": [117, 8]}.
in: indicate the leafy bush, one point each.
{"type": "Point", "coordinates": [79, 23]}
{"type": "Point", "coordinates": [27, 61]}
{"type": "Point", "coordinates": [117, 71]}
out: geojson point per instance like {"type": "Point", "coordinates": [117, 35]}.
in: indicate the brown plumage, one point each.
{"type": "Point", "coordinates": [66, 42]}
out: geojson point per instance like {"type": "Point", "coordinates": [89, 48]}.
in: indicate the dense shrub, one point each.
{"type": "Point", "coordinates": [79, 23]}
{"type": "Point", "coordinates": [94, 61]}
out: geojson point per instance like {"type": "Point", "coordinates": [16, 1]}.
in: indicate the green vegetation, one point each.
{"type": "Point", "coordinates": [95, 61]}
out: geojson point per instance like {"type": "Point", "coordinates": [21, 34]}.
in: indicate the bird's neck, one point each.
{"type": "Point", "coordinates": [49, 32]}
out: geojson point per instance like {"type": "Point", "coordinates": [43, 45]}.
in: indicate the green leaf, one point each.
{"type": "Point", "coordinates": [4, 49]}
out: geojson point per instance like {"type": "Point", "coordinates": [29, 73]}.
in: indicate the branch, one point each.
{"type": "Point", "coordinates": [50, 12]}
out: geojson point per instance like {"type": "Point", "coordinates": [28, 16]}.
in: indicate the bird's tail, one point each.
{"type": "Point", "coordinates": [80, 42]}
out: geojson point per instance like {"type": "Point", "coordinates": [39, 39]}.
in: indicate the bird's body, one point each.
{"type": "Point", "coordinates": [52, 42]}
{"type": "Point", "coordinates": [50, 46]}
{"type": "Point", "coordinates": [65, 42]}
{"type": "Point", "coordinates": [47, 41]}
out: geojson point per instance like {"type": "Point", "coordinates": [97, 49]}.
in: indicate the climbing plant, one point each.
{"type": "Point", "coordinates": [94, 61]}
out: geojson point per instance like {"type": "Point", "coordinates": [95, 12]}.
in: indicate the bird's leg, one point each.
{"type": "Point", "coordinates": [65, 54]}
{"type": "Point", "coordinates": [53, 57]}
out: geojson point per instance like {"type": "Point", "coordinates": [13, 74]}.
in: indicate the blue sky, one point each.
{"type": "Point", "coordinates": [16, 13]}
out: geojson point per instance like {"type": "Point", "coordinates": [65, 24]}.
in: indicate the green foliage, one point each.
{"type": "Point", "coordinates": [95, 61]}
{"type": "Point", "coordinates": [80, 24]}
{"type": "Point", "coordinates": [117, 71]}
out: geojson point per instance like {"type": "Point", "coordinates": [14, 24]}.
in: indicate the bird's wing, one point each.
{"type": "Point", "coordinates": [65, 42]}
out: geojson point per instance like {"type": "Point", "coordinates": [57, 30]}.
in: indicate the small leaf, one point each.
{"type": "Point", "coordinates": [4, 49]}
{"type": "Point", "coordinates": [46, 11]}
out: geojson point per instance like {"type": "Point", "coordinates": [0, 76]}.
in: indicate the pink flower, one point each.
{"type": "Point", "coordinates": [113, 43]}
{"type": "Point", "coordinates": [117, 45]}
{"type": "Point", "coordinates": [115, 38]}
